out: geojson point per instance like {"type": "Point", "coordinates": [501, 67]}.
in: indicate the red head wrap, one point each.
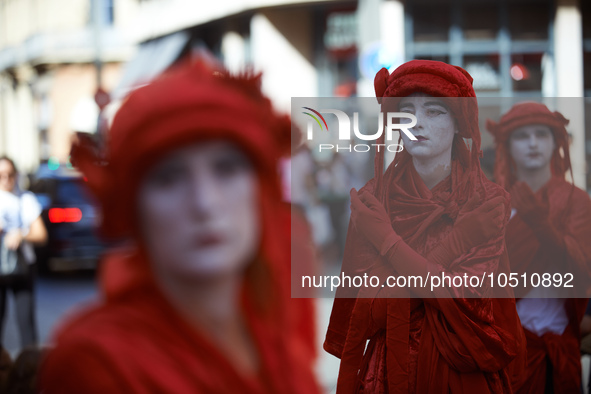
{"type": "Point", "coordinates": [189, 104]}
{"type": "Point", "coordinates": [523, 114]}
{"type": "Point", "coordinates": [437, 79]}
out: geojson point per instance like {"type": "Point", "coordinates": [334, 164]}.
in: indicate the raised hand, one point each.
{"type": "Point", "coordinates": [529, 207]}
{"type": "Point", "coordinates": [371, 219]}
{"type": "Point", "coordinates": [535, 212]}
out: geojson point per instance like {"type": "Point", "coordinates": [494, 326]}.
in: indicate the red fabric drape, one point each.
{"type": "Point", "coordinates": [435, 345]}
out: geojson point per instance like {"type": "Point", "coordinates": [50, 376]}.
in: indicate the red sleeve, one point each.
{"type": "Point", "coordinates": [355, 250]}
{"type": "Point", "coordinates": [577, 235]}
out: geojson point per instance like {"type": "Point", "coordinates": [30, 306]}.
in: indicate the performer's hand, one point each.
{"type": "Point", "coordinates": [474, 226]}
{"type": "Point", "coordinates": [529, 207]}
{"type": "Point", "coordinates": [371, 219]}
{"type": "Point", "coordinates": [535, 212]}
{"type": "Point", "coordinates": [13, 239]}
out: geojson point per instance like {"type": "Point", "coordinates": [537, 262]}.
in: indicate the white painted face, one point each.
{"type": "Point", "coordinates": [435, 128]}
{"type": "Point", "coordinates": [199, 213]}
{"type": "Point", "coordinates": [531, 146]}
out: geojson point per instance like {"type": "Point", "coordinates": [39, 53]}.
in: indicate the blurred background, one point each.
{"type": "Point", "coordinates": [64, 62]}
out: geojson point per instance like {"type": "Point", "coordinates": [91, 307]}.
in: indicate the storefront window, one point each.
{"type": "Point", "coordinates": [529, 21]}
{"type": "Point", "coordinates": [485, 71]}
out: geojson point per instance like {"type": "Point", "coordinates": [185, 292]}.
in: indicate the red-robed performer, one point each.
{"type": "Point", "coordinates": [432, 211]}
{"type": "Point", "coordinates": [549, 232]}
{"type": "Point", "coordinates": [199, 301]}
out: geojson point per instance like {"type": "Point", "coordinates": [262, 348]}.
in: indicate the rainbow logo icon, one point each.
{"type": "Point", "coordinates": [315, 118]}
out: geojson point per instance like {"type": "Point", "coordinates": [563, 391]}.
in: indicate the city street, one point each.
{"type": "Point", "coordinates": [55, 296]}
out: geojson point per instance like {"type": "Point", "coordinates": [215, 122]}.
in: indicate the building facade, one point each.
{"type": "Point", "coordinates": [514, 49]}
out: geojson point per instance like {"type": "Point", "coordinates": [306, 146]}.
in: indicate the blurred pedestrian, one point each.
{"type": "Point", "coordinates": [548, 234]}
{"type": "Point", "coordinates": [432, 212]}
{"type": "Point", "coordinates": [200, 300]}
{"type": "Point", "coordinates": [21, 226]}
{"type": "Point", "coordinates": [5, 366]}
{"type": "Point", "coordinates": [338, 199]}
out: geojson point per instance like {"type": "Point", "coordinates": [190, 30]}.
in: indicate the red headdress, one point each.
{"type": "Point", "coordinates": [519, 115]}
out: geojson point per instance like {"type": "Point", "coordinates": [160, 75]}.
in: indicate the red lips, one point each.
{"type": "Point", "coordinates": [209, 240]}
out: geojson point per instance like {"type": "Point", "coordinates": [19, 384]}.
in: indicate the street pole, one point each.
{"type": "Point", "coordinates": [97, 19]}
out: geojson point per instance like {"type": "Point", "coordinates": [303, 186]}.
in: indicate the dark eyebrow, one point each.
{"type": "Point", "coordinates": [406, 104]}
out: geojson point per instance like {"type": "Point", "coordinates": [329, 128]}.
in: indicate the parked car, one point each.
{"type": "Point", "coordinates": [71, 217]}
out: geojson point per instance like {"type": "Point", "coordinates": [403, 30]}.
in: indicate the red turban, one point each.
{"type": "Point", "coordinates": [523, 114]}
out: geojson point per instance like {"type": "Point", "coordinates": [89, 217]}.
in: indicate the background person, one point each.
{"type": "Point", "coordinates": [22, 226]}
{"type": "Point", "coordinates": [549, 232]}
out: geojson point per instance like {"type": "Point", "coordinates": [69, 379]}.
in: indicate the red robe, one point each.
{"type": "Point", "coordinates": [570, 213]}
{"type": "Point", "coordinates": [135, 341]}
{"type": "Point", "coordinates": [432, 345]}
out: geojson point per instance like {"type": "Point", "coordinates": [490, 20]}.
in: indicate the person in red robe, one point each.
{"type": "Point", "coordinates": [197, 299]}
{"type": "Point", "coordinates": [432, 211]}
{"type": "Point", "coordinates": [548, 233]}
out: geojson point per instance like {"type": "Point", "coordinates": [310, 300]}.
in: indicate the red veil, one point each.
{"type": "Point", "coordinates": [427, 345]}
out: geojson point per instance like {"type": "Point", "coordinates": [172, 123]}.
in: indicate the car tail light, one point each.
{"type": "Point", "coordinates": [65, 215]}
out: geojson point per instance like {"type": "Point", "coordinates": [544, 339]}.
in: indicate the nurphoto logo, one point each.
{"type": "Point", "coordinates": [395, 121]}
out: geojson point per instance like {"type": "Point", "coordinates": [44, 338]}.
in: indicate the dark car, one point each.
{"type": "Point", "coordinates": [71, 218]}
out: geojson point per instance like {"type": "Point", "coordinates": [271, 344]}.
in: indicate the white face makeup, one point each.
{"type": "Point", "coordinates": [199, 213]}
{"type": "Point", "coordinates": [531, 147]}
{"type": "Point", "coordinates": [435, 128]}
